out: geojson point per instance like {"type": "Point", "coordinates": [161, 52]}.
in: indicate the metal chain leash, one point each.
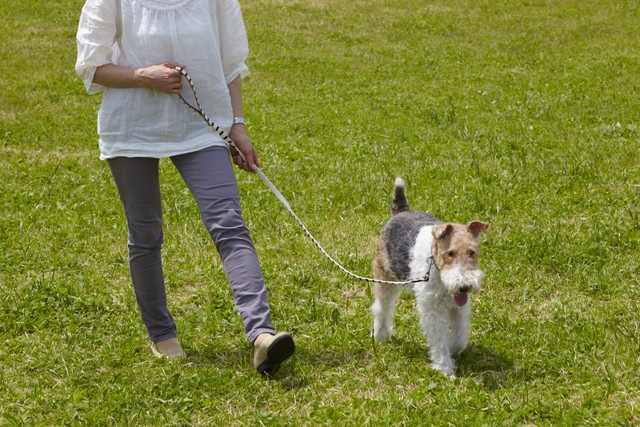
{"type": "Point", "coordinates": [199, 110]}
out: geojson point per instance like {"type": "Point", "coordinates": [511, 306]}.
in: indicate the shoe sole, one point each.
{"type": "Point", "coordinates": [279, 351]}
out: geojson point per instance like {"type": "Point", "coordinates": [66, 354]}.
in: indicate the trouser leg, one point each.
{"type": "Point", "coordinates": [138, 184]}
{"type": "Point", "coordinates": [210, 178]}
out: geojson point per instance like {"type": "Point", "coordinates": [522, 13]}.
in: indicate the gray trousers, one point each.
{"type": "Point", "coordinates": [210, 178]}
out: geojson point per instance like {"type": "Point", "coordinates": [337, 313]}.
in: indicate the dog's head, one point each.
{"type": "Point", "coordinates": [456, 248]}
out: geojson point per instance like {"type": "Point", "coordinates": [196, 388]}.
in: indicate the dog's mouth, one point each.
{"type": "Point", "coordinates": [460, 299]}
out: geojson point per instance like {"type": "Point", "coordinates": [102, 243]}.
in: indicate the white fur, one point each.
{"type": "Point", "coordinates": [420, 252]}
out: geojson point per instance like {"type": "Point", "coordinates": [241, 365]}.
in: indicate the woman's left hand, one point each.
{"type": "Point", "coordinates": [238, 135]}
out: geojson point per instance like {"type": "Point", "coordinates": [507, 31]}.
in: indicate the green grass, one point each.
{"type": "Point", "coordinates": [522, 113]}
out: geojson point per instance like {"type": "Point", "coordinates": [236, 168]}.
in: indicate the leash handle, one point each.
{"type": "Point", "coordinates": [199, 110]}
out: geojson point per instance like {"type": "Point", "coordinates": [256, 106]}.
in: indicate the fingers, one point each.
{"type": "Point", "coordinates": [163, 77]}
{"type": "Point", "coordinates": [244, 154]}
{"type": "Point", "coordinates": [248, 160]}
{"type": "Point", "coordinates": [173, 82]}
{"type": "Point", "coordinates": [246, 164]}
{"type": "Point", "coordinates": [174, 65]}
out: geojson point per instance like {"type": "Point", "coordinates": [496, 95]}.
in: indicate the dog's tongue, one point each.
{"type": "Point", "coordinates": [461, 299]}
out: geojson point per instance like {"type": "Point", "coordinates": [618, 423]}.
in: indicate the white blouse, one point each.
{"type": "Point", "coordinates": [208, 36]}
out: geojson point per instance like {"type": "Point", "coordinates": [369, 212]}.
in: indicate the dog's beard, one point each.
{"type": "Point", "coordinates": [457, 278]}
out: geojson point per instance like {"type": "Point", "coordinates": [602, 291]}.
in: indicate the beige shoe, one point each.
{"type": "Point", "coordinates": [168, 348]}
{"type": "Point", "coordinates": [269, 351]}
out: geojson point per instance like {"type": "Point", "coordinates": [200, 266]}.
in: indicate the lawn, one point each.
{"type": "Point", "coordinates": [524, 114]}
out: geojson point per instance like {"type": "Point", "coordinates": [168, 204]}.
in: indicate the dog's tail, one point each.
{"type": "Point", "coordinates": [400, 203]}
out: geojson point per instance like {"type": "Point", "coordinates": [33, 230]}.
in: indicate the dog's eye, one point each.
{"type": "Point", "coordinates": [472, 253]}
{"type": "Point", "coordinates": [451, 254]}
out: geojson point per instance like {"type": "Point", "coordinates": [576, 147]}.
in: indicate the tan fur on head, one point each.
{"type": "Point", "coordinates": [457, 244]}
{"type": "Point", "coordinates": [476, 227]}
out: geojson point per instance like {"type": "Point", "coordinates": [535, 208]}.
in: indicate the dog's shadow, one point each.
{"type": "Point", "coordinates": [476, 363]}
{"type": "Point", "coordinates": [485, 366]}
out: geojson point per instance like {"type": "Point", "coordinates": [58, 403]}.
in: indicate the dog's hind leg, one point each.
{"type": "Point", "coordinates": [383, 310]}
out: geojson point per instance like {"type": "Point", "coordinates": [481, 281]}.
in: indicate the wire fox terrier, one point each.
{"type": "Point", "coordinates": [415, 245]}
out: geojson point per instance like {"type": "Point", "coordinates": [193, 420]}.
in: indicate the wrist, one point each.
{"type": "Point", "coordinates": [139, 77]}
{"type": "Point", "coordinates": [237, 132]}
{"type": "Point", "coordinates": [238, 120]}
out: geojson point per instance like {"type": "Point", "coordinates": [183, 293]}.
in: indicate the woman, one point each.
{"type": "Point", "coordinates": [129, 50]}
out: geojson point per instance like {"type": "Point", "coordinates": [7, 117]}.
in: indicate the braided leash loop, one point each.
{"type": "Point", "coordinates": [197, 108]}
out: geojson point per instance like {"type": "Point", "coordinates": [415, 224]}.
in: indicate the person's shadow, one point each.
{"type": "Point", "coordinates": [241, 360]}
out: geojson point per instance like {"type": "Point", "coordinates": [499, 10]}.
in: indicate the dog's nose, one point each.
{"type": "Point", "coordinates": [464, 289]}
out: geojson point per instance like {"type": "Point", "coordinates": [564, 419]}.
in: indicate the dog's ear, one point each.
{"type": "Point", "coordinates": [442, 231]}
{"type": "Point", "coordinates": [477, 227]}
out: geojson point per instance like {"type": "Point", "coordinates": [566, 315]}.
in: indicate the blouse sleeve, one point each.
{"type": "Point", "coordinates": [95, 40]}
{"type": "Point", "coordinates": [234, 47]}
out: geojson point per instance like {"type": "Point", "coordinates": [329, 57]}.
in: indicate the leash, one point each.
{"type": "Point", "coordinates": [200, 111]}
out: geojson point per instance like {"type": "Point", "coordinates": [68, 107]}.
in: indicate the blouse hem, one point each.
{"type": "Point", "coordinates": [137, 150]}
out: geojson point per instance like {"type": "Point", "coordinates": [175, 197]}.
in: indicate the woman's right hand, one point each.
{"type": "Point", "coordinates": [161, 77]}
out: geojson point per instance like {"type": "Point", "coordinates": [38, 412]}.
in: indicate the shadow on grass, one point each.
{"type": "Point", "coordinates": [241, 361]}
{"type": "Point", "coordinates": [477, 363]}
{"type": "Point", "coordinates": [485, 366]}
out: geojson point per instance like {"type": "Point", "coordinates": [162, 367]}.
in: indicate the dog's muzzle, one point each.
{"type": "Point", "coordinates": [462, 283]}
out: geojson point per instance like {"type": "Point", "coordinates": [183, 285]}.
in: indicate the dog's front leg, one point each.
{"type": "Point", "coordinates": [434, 323]}
{"type": "Point", "coordinates": [460, 328]}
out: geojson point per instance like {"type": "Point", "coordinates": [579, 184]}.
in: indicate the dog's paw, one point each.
{"type": "Point", "coordinates": [382, 335]}
{"type": "Point", "coordinates": [446, 370]}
